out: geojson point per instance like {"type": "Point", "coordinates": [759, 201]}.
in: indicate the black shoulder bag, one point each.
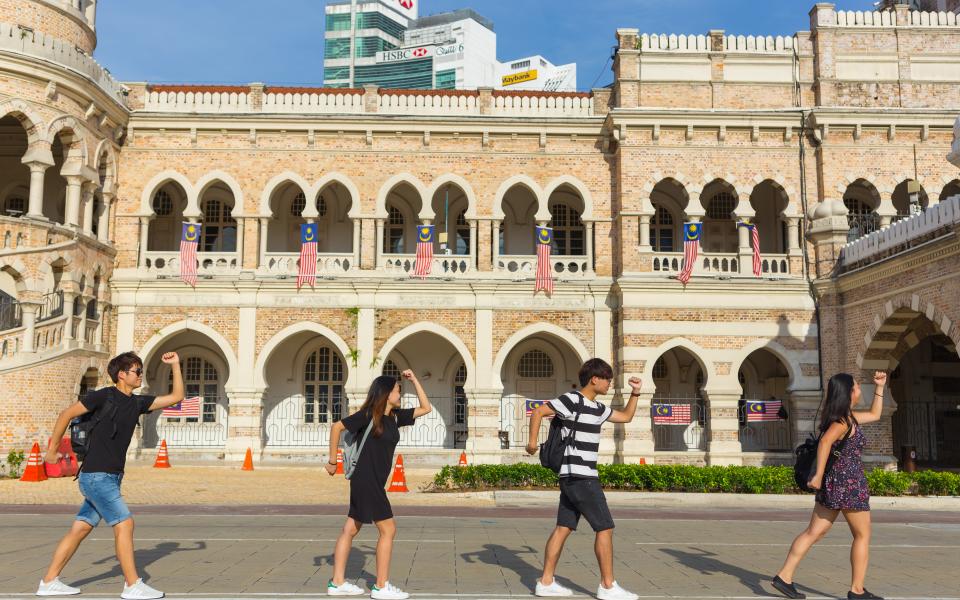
{"type": "Point", "coordinates": [82, 427]}
{"type": "Point", "coordinates": [806, 464]}
{"type": "Point", "coordinates": [553, 450]}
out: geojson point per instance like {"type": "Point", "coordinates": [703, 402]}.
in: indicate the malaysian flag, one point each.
{"type": "Point", "coordinates": [424, 259]}
{"type": "Point", "coordinates": [533, 405]}
{"type": "Point", "coordinates": [671, 414]}
{"type": "Point", "coordinates": [691, 243]}
{"type": "Point", "coordinates": [757, 262]}
{"type": "Point", "coordinates": [544, 269]}
{"type": "Point", "coordinates": [768, 410]}
{"type": "Point", "coordinates": [188, 253]}
{"type": "Point", "coordinates": [308, 255]}
{"type": "Point", "coordinates": [188, 407]}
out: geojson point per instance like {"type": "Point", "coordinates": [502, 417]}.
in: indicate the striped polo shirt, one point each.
{"type": "Point", "coordinates": [580, 457]}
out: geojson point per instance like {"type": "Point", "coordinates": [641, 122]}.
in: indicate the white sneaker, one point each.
{"type": "Point", "coordinates": [140, 591]}
{"type": "Point", "coordinates": [554, 589]}
{"type": "Point", "coordinates": [56, 588]}
{"type": "Point", "coordinates": [344, 589]}
{"type": "Point", "coordinates": [614, 592]}
{"type": "Point", "coordinates": [388, 592]}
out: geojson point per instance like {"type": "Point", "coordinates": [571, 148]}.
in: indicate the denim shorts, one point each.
{"type": "Point", "coordinates": [102, 499]}
{"type": "Point", "coordinates": [583, 496]}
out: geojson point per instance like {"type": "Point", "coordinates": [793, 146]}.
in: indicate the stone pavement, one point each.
{"type": "Point", "coordinates": [473, 553]}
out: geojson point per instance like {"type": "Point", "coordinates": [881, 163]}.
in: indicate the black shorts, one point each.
{"type": "Point", "coordinates": [583, 496]}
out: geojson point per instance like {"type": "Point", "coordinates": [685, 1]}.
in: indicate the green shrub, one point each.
{"type": "Point", "coordinates": [687, 478]}
{"type": "Point", "coordinates": [14, 460]}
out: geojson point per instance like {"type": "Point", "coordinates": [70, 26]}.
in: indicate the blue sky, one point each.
{"type": "Point", "coordinates": [281, 41]}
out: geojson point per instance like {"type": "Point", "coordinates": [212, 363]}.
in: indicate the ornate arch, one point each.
{"type": "Point", "coordinates": [894, 318]}
{"type": "Point", "coordinates": [439, 330]}
{"type": "Point", "coordinates": [159, 338]}
{"type": "Point", "coordinates": [355, 197]}
{"type": "Point", "coordinates": [787, 358]}
{"type": "Point", "coordinates": [506, 186]}
{"type": "Point", "coordinates": [158, 181]}
{"type": "Point", "coordinates": [390, 184]}
{"type": "Point", "coordinates": [275, 183]}
{"type": "Point", "coordinates": [581, 188]}
{"type": "Point", "coordinates": [226, 179]}
{"type": "Point", "coordinates": [518, 337]}
{"type": "Point", "coordinates": [259, 369]}
{"type": "Point", "coordinates": [699, 354]}
{"type": "Point", "coordinates": [460, 182]}
{"type": "Point", "coordinates": [31, 122]}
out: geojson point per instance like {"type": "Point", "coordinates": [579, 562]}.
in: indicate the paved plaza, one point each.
{"type": "Point", "coordinates": [469, 552]}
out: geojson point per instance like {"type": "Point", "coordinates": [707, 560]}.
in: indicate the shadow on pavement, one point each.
{"type": "Point", "coordinates": [143, 559]}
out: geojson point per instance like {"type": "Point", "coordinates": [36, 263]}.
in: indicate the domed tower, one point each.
{"type": "Point", "coordinates": [73, 21]}
{"type": "Point", "coordinates": [61, 120]}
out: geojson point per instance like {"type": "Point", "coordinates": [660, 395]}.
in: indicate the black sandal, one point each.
{"type": "Point", "coordinates": [788, 589]}
{"type": "Point", "coordinates": [864, 596]}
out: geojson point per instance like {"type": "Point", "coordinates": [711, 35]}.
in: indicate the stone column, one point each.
{"type": "Point", "coordinates": [238, 251]}
{"type": "Point", "coordinates": [72, 209]}
{"type": "Point", "coordinates": [244, 424]}
{"type": "Point", "coordinates": [483, 419]}
{"type": "Point", "coordinates": [744, 251]}
{"type": "Point", "coordinates": [28, 312]}
{"type": "Point", "coordinates": [495, 229]}
{"type": "Point", "coordinates": [98, 332]}
{"type": "Point", "coordinates": [635, 439]}
{"type": "Point", "coordinates": [37, 171]}
{"type": "Point", "coordinates": [103, 219]}
{"type": "Point", "coordinates": [264, 228]}
{"type": "Point", "coordinates": [82, 326]}
{"type": "Point", "coordinates": [802, 410]}
{"type": "Point", "coordinates": [723, 445]}
{"type": "Point", "coordinates": [87, 203]}
{"type": "Point", "coordinates": [793, 235]}
{"type": "Point", "coordinates": [144, 233]}
{"type": "Point", "coordinates": [378, 248]}
{"type": "Point", "coordinates": [357, 242]}
{"type": "Point", "coordinates": [589, 244]}
{"type": "Point", "coordinates": [644, 233]}
{"type": "Point", "coordinates": [473, 243]}
{"type": "Point", "coordinates": [68, 332]}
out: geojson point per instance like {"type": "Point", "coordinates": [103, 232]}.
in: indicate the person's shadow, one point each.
{"type": "Point", "coordinates": [356, 563]}
{"type": "Point", "coordinates": [706, 563]}
{"type": "Point", "coordinates": [142, 558]}
{"type": "Point", "coordinates": [508, 558]}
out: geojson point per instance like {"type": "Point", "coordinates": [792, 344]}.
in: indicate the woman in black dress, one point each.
{"type": "Point", "coordinates": [368, 499]}
{"type": "Point", "coordinates": [842, 489]}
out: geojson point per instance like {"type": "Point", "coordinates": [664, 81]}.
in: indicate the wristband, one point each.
{"type": "Point", "coordinates": [331, 463]}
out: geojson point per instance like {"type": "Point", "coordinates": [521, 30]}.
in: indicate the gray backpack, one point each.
{"type": "Point", "coordinates": [352, 446]}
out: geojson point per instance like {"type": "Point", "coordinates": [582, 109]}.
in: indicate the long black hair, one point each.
{"type": "Point", "coordinates": [376, 402]}
{"type": "Point", "coordinates": [837, 407]}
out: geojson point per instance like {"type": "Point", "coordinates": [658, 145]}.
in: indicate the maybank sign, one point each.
{"type": "Point", "coordinates": [402, 54]}
{"type": "Point", "coordinates": [514, 78]}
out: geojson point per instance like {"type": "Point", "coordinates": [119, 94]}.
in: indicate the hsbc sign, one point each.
{"type": "Point", "coordinates": [407, 8]}
{"type": "Point", "coordinates": [418, 52]}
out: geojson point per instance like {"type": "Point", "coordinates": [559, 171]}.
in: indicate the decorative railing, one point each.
{"type": "Point", "coordinates": [903, 233]}
{"type": "Point", "coordinates": [207, 431]}
{"type": "Point", "coordinates": [90, 332]}
{"type": "Point", "coordinates": [515, 423]}
{"type": "Point", "coordinates": [10, 341]}
{"type": "Point", "coordinates": [288, 263]}
{"type": "Point", "coordinates": [775, 264]}
{"type": "Point", "coordinates": [314, 101]}
{"type": "Point", "coordinates": [232, 101]}
{"type": "Point", "coordinates": [36, 44]}
{"type": "Point", "coordinates": [51, 306]}
{"type": "Point", "coordinates": [542, 104]}
{"type": "Point", "coordinates": [720, 264]}
{"type": "Point", "coordinates": [48, 335]}
{"type": "Point", "coordinates": [686, 436]}
{"type": "Point", "coordinates": [429, 102]}
{"type": "Point", "coordinates": [443, 266]}
{"type": "Point", "coordinates": [167, 263]}
{"type": "Point", "coordinates": [763, 436]}
{"type": "Point", "coordinates": [564, 267]}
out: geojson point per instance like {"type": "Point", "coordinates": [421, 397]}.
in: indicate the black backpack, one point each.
{"type": "Point", "coordinates": [81, 428]}
{"type": "Point", "coordinates": [806, 465]}
{"type": "Point", "coordinates": [552, 450]}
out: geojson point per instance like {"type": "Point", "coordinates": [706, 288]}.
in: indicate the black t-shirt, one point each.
{"type": "Point", "coordinates": [108, 450]}
{"type": "Point", "coordinates": [376, 459]}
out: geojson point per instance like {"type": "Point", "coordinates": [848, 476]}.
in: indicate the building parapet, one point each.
{"type": "Point", "coordinates": [35, 44]}
{"type": "Point", "coordinates": [654, 42]}
{"type": "Point", "coordinates": [903, 234]}
{"type": "Point", "coordinates": [850, 18]}
{"type": "Point", "coordinates": [306, 100]}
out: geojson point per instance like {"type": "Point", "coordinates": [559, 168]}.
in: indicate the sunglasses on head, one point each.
{"type": "Point", "coordinates": [138, 372]}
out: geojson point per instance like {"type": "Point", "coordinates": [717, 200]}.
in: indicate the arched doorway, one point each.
{"type": "Point", "coordinates": [442, 371]}
{"type": "Point", "coordinates": [679, 410]}
{"type": "Point", "coordinates": [762, 411]}
{"type": "Point", "coordinates": [540, 367]}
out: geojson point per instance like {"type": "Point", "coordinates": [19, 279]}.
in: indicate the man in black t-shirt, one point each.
{"type": "Point", "coordinates": [118, 410]}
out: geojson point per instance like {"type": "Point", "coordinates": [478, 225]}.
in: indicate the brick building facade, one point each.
{"type": "Point", "coordinates": [98, 176]}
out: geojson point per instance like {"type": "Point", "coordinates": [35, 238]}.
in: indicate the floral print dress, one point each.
{"type": "Point", "coordinates": [845, 486]}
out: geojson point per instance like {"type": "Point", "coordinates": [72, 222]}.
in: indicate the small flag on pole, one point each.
{"type": "Point", "coordinates": [307, 272]}
{"type": "Point", "coordinates": [768, 410]}
{"type": "Point", "coordinates": [424, 260]}
{"type": "Point", "coordinates": [544, 268]}
{"type": "Point", "coordinates": [671, 414]}
{"type": "Point", "coordinates": [757, 262]}
{"type": "Point", "coordinates": [691, 245]}
{"type": "Point", "coordinates": [188, 253]}
{"type": "Point", "coordinates": [533, 405]}
{"type": "Point", "coordinates": [188, 407]}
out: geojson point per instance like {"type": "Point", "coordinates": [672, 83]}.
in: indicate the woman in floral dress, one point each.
{"type": "Point", "coordinates": [842, 488]}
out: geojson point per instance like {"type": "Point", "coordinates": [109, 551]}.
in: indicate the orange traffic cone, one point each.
{"type": "Point", "coordinates": [398, 483]}
{"type": "Point", "coordinates": [339, 470]}
{"type": "Point", "coordinates": [463, 459]}
{"type": "Point", "coordinates": [247, 461]}
{"type": "Point", "coordinates": [643, 461]}
{"type": "Point", "coordinates": [34, 470]}
{"type": "Point", "coordinates": [163, 459]}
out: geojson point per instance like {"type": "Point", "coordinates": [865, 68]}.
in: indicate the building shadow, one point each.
{"type": "Point", "coordinates": [509, 558]}
{"type": "Point", "coordinates": [706, 562]}
{"type": "Point", "coordinates": [143, 559]}
{"type": "Point", "coordinates": [357, 561]}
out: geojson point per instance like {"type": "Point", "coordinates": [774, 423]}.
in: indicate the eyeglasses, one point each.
{"type": "Point", "coordinates": [138, 372]}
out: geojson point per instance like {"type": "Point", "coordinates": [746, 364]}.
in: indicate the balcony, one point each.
{"type": "Point", "coordinates": [167, 263]}
{"type": "Point", "coordinates": [329, 264]}
{"type": "Point", "coordinates": [724, 264]}
{"type": "Point", "coordinates": [525, 266]}
{"type": "Point", "coordinates": [452, 266]}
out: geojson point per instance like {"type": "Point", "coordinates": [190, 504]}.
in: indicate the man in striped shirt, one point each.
{"type": "Point", "coordinates": [580, 491]}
